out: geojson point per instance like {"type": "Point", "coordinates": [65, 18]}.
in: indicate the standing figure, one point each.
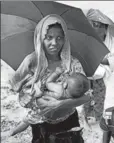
{"type": "Point", "coordinates": [104, 27]}
{"type": "Point", "coordinates": [52, 50]}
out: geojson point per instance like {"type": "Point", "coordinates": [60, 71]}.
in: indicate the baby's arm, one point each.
{"type": "Point", "coordinates": [55, 75]}
{"type": "Point", "coordinates": [38, 92]}
{"type": "Point", "coordinates": [50, 83]}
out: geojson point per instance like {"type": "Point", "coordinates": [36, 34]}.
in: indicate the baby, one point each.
{"type": "Point", "coordinates": [74, 86]}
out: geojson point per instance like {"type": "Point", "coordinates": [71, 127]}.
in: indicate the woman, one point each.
{"type": "Point", "coordinates": [105, 30]}
{"type": "Point", "coordinates": [104, 27]}
{"type": "Point", "coordinates": [52, 49]}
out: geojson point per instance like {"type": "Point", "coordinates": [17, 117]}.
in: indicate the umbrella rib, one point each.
{"type": "Point", "coordinates": [64, 12]}
{"type": "Point", "coordinates": [18, 16]}
{"type": "Point", "coordinates": [82, 58]}
{"type": "Point", "coordinates": [38, 8]}
{"type": "Point", "coordinates": [78, 31]}
{"type": "Point", "coordinates": [14, 35]}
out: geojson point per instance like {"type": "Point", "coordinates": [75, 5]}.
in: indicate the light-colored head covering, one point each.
{"type": "Point", "coordinates": [97, 15]}
{"type": "Point", "coordinates": [39, 35]}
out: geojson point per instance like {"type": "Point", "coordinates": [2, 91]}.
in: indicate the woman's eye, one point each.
{"type": "Point", "coordinates": [96, 24]}
{"type": "Point", "coordinates": [59, 38]}
{"type": "Point", "coordinates": [48, 37]}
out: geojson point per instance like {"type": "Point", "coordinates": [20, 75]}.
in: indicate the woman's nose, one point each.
{"type": "Point", "coordinates": [54, 42]}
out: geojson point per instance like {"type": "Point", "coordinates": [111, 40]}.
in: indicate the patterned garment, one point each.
{"type": "Point", "coordinates": [33, 116]}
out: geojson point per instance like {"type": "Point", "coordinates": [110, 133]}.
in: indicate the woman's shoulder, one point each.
{"type": "Point", "coordinates": [76, 65]}
{"type": "Point", "coordinates": [31, 60]}
{"type": "Point", "coordinates": [74, 60]}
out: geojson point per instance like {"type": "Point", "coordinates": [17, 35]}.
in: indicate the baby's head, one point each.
{"type": "Point", "coordinates": [77, 85]}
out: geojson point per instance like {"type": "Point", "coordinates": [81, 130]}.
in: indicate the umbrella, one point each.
{"type": "Point", "coordinates": [18, 21]}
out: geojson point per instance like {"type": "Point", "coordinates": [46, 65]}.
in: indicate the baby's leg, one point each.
{"type": "Point", "coordinates": [21, 127]}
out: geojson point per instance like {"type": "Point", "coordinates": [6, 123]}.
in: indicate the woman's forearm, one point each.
{"type": "Point", "coordinates": [65, 105]}
{"type": "Point", "coordinates": [49, 104]}
{"type": "Point", "coordinates": [75, 102]}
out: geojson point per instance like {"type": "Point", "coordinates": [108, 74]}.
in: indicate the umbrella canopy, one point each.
{"type": "Point", "coordinates": [18, 21]}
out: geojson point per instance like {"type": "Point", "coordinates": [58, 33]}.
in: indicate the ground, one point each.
{"type": "Point", "coordinates": [12, 112]}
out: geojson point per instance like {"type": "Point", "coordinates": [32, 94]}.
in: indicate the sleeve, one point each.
{"type": "Point", "coordinates": [99, 73]}
{"type": "Point", "coordinates": [104, 70]}
{"type": "Point", "coordinates": [111, 61]}
{"type": "Point", "coordinates": [21, 74]}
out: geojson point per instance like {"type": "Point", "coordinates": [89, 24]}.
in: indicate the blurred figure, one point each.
{"type": "Point", "coordinates": [104, 27]}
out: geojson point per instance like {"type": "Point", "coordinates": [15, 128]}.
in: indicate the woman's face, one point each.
{"type": "Point", "coordinates": [54, 40]}
{"type": "Point", "coordinates": [100, 28]}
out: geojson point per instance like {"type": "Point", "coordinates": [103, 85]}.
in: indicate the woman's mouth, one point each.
{"type": "Point", "coordinates": [53, 49]}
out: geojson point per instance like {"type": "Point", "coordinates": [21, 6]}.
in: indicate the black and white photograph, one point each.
{"type": "Point", "coordinates": [57, 71]}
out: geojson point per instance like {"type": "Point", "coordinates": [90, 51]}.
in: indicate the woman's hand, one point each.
{"type": "Point", "coordinates": [47, 103]}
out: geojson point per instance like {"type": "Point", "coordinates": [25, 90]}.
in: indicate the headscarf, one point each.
{"type": "Point", "coordinates": [39, 35]}
{"type": "Point", "coordinates": [97, 15]}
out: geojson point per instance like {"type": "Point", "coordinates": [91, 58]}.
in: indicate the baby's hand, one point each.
{"type": "Point", "coordinates": [59, 70]}
{"type": "Point", "coordinates": [38, 91]}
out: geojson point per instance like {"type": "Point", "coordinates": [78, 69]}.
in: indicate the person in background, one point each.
{"type": "Point", "coordinates": [104, 27]}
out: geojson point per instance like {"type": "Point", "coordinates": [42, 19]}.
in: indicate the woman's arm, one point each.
{"type": "Point", "coordinates": [71, 103]}
{"type": "Point", "coordinates": [99, 73]}
{"type": "Point", "coordinates": [21, 75]}
{"type": "Point", "coordinates": [111, 61]}
{"type": "Point", "coordinates": [49, 103]}
{"type": "Point", "coordinates": [55, 75]}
